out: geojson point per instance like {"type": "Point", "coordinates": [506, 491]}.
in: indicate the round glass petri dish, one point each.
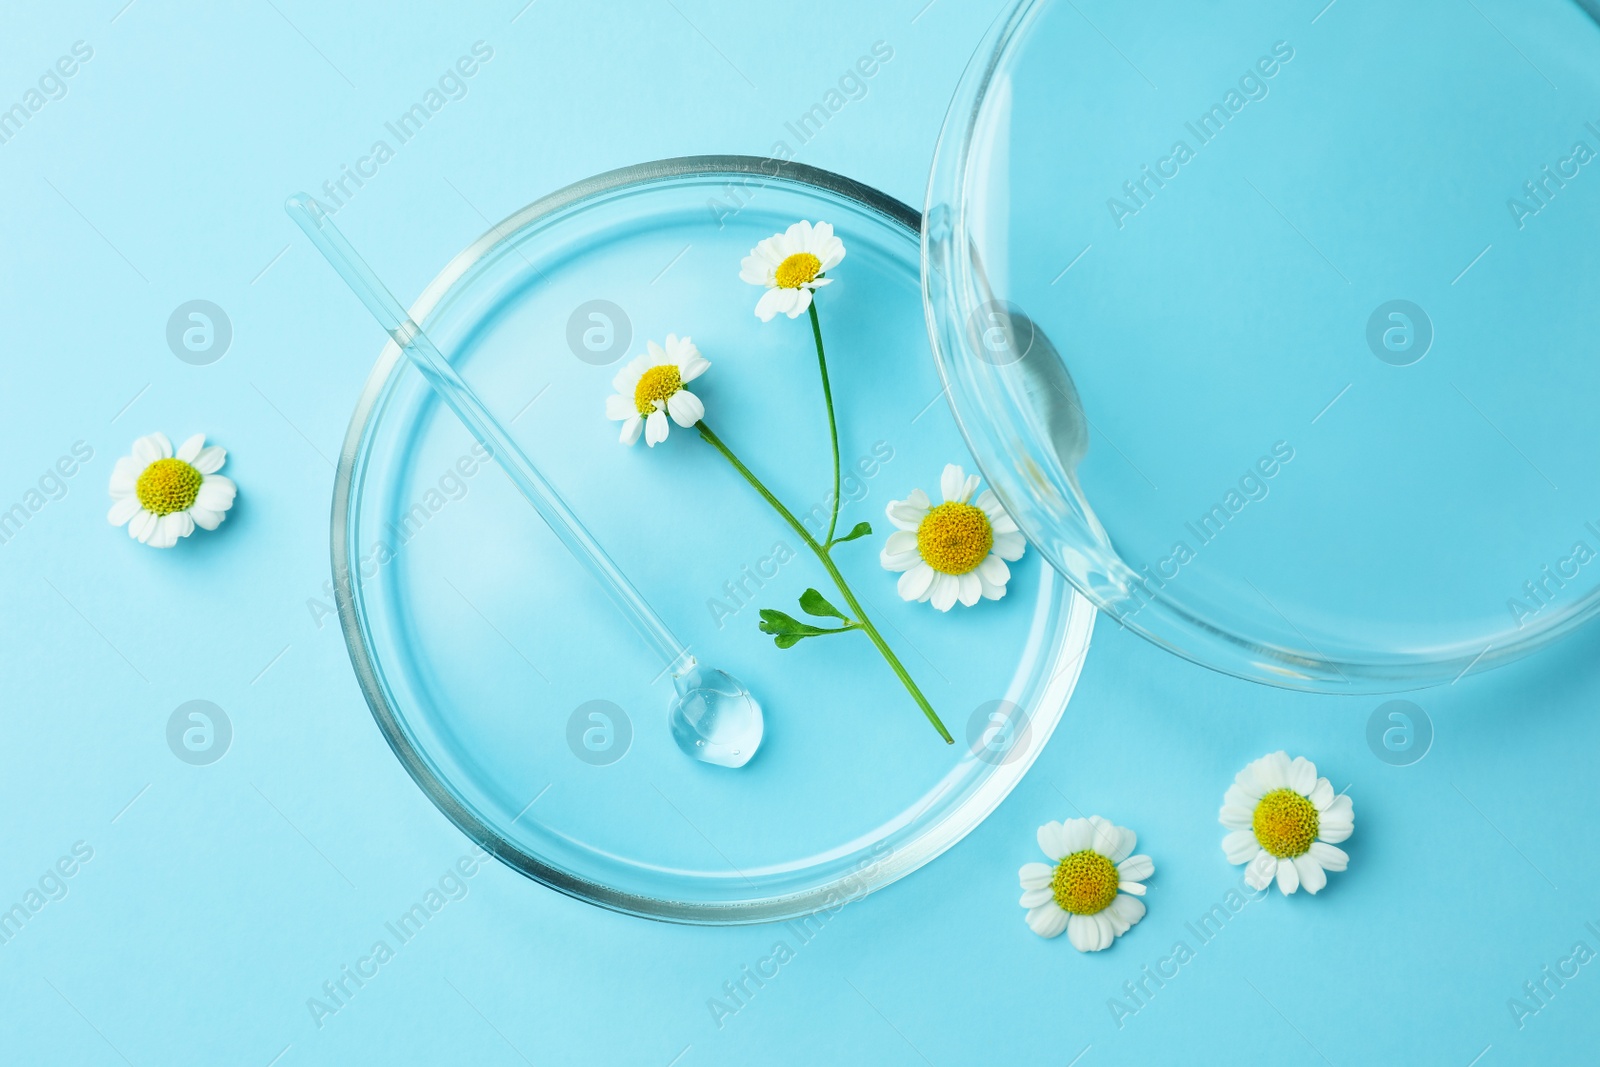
{"type": "Point", "coordinates": [1275, 328]}
{"type": "Point", "coordinates": [529, 711]}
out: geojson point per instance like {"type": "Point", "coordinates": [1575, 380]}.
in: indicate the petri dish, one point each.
{"type": "Point", "coordinates": [529, 711]}
{"type": "Point", "coordinates": [1274, 326]}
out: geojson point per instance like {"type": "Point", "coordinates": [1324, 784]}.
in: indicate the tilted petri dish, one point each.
{"type": "Point", "coordinates": [524, 705]}
{"type": "Point", "coordinates": [1275, 326]}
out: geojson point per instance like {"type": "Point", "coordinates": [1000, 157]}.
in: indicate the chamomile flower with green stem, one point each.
{"type": "Point", "coordinates": [791, 266]}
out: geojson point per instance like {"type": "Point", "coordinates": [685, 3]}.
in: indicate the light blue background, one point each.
{"type": "Point", "coordinates": [220, 898]}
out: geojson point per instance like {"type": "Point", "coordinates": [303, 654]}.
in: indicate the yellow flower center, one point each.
{"type": "Point", "coordinates": [1085, 883]}
{"type": "Point", "coordinates": [797, 270]}
{"type": "Point", "coordinates": [955, 538]}
{"type": "Point", "coordinates": [1285, 823]}
{"type": "Point", "coordinates": [658, 383]}
{"type": "Point", "coordinates": [168, 485]}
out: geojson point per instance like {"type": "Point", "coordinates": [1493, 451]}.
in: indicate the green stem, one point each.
{"type": "Point", "coordinates": [833, 572]}
{"type": "Point", "coordinates": [833, 426]}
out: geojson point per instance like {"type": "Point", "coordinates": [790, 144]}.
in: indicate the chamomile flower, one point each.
{"type": "Point", "coordinates": [953, 551]}
{"type": "Point", "coordinates": [162, 497]}
{"type": "Point", "coordinates": [1285, 823]}
{"type": "Point", "coordinates": [791, 265]}
{"type": "Point", "coordinates": [651, 387]}
{"type": "Point", "coordinates": [1091, 886]}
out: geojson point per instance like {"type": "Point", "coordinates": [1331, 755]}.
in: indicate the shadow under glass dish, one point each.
{"type": "Point", "coordinates": [1276, 331]}
{"type": "Point", "coordinates": [525, 706]}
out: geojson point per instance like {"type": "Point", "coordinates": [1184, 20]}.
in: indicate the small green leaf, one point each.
{"type": "Point", "coordinates": [814, 603]}
{"type": "Point", "coordinates": [861, 530]}
{"type": "Point", "coordinates": [788, 631]}
{"type": "Point", "coordinates": [776, 622]}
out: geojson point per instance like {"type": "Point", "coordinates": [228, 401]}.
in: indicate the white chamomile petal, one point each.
{"type": "Point", "coordinates": [1240, 846]}
{"type": "Point", "coordinates": [1033, 898]}
{"type": "Point", "coordinates": [124, 509]}
{"type": "Point", "coordinates": [1136, 868]}
{"type": "Point", "coordinates": [1302, 776]}
{"type": "Point", "coordinates": [693, 367]}
{"type": "Point", "coordinates": [1312, 876]}
{"type": "Point", "coordinates": [628, 377]}
{"type": "Point", "coordinates": [774, 302]}
{"type": "Point", "coordinates": [1260, 871]}
{"type": "Point", "coordinates": [1130, 909]}
{"type": "Point", "coordinates": [1034, 875]}
{"type": "Point", "coordinates": [1009, 546]}
{"type": "Point", "coordinates": [900, 542]}
{"type": "Point", "coordinates": [205, 518]}
{"type": "Point", "coordinates": [901, 561]}
{"type": "Point", "coordinates": [1048, 920]}
{"type": "Point", "coordinates": [152, 447]}
{"type": "Point", "coordinates": [210, 459]}
{"type": "Point", "coordinates": [950, 483]}
{"type": "Point", "coordinates": [914, 584]}
{"type": "Point", "coordinates": [1051, 841]}
{"type": "Point", "coordinates": [685, 408]}
{"type": "Point", "coordinates": [1083, 933]}
{"type": "Point", "coordinates": [216, 493]}
{"type": "Point", "coordinates": [655, 428]}
{"type": "Point", "coordinates": [1328, 856]}
{"type": "Point", "coordinates": [1288, 877]}
{"type": "Point", "coordinates": [908, 514]}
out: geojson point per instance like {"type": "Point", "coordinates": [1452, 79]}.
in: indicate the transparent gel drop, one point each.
{"type": "Point", "coordinates": [714, 718]}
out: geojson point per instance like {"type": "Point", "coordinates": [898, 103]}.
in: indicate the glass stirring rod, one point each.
{"type": "Point", "coordinates": [709, 703]}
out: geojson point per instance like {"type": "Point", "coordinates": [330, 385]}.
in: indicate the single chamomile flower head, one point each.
{"type": "Point", "coordinates": [162, 497]}
{"type": "Point", "coordinates": [651, 387]}
{"type": "Point", "coordinates": [952, 551]}
{"type": "Point", "coordinates": [790, 265]}
{"type": "Point", "coordinates": [1285, 823]}
{"type": "Point", "coordinates": [1091, 886]}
